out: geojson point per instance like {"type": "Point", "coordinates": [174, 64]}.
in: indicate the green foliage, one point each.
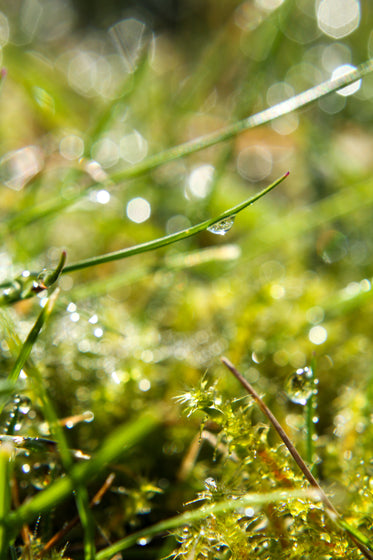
{"type": "Point", "coordinates": [245, 461]}
{"type": "Point", "coordinates": [121, 432]}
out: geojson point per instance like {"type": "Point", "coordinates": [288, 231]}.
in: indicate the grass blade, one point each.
{"type": "Point", "coordinates": [32, 337]}
{"type": "Point", "coordinates": [6, 451]}
{"type": "Point", "coordinates": [263, 117]}
{"type": "Point", "coordinates": [168, 239]}
{"type": "Point", "coordinates": [81, 494]}
{"type": "Point", "coordinates": [201, 513]}
{"type": "Point", "coordinates": [309, 415]}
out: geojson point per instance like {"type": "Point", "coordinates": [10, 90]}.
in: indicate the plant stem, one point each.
{"type": "Point", "coordinates": [172, 238]}
{"type": "Point", "coordinates": [310, 426]}
{"type": "Point", "coordinates": [6, 452]}
{"type": "Point", "coordinates": [331, 510]}
{"type": "Point", "coordinates": [189, 517]}
{"type": "Point", "coordinates": [32, 337]}
{"type": "Point", "coordinates": [285, 438]}
{"type": "Point", "coordinates": [263, 117]}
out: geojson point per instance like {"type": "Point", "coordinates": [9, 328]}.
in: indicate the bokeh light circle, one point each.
{"type": "Point", "coordinates": [138, 210]}
{"type": "Point", "coordinates": [254, 163]}
{"type": "Point", "coordinates": [338, 19]}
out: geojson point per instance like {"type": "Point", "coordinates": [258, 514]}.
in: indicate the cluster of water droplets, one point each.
{"type": "Point", "coordinates": [37, 464]}
{"type": "Point", "coordinates": [39, 473]}
{"type": "Point", "coordinates": [37, 457]}
{"type": "Point", "coordinates": [20, 408]}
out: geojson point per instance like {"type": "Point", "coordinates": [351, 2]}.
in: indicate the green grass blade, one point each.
{"type": "Point", "coordinates": [6, 451]}
{"type": "Point", "coordinates": [309, 414]}
{"type": "Point", "coordinates": [168, 239]}
{"type": "Point", "coordinates": [356, 533]}
{"type": "Point", "coordinates": [32, 337]}
{"type": "Point", "coordinates": [86, 519]}
{"type": "Point", "coordinates": [263, 117]}
{"type": "Point", "coordinates": [81, 493]}
{"type": "Point", "coordinates": [202, 513]}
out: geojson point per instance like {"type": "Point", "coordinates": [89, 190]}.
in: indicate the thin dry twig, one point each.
{"type": "Point", "coordinates": [331, 510]}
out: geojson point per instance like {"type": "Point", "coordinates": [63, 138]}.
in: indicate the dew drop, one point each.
{"type": "Point", "coordinates": [41, 475]}
{"type": "Point", "coordinates": [221, 228]}
{"type": "Point", "coordinates": [143, 541]}
{"type": "Point", "coordinates": [210, 484]}
{"type": "Point", "coordinates": [93, 320]}
{"type": "Point", "coordinates": [24, 405]}
{"type": "Point", "coordinates": [299, 386]}
{"type": "Point", "coordinates": [88, 416]}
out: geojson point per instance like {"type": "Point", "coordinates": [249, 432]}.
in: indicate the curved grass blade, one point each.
{"type": "Point", "coordinates": [202, 513]}
{"type": "Point", "coordinates": [28, 284]}
{"type": "Point", "coordinates": [81, 494]}
{"type": "Point", "coordinates": [168, 239]}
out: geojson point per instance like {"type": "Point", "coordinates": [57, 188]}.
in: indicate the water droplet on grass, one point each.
{"type": "Point", "coordinates": [300, 385]}
{"type": "Point", "coordinates": [143, 541]}
{"type": "Point", "coordinates": [41, 475]}
{"type": "Point", "coordinates": [210, 484]}
{"type": "Point", "coordinates": [221, 228]}
{"type": "Point", "coordinates": [24, 405]}
{"type": "Point", "coordinates": [88, 416]}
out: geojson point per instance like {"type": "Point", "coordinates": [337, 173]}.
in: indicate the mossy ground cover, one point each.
{"type": "Point", "coordinates": [111, 370]}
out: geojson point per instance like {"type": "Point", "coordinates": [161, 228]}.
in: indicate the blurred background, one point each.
{"type": "Point", "coordinates": [94, 88]}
